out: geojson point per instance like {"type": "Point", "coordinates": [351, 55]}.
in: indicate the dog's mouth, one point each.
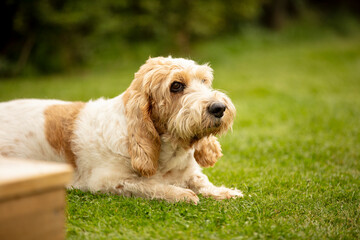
{"type": "Point", "coordinates": [216, 124]}
{"type": "Point", "coordinates": [210, 128]}
{"type": "Point", "coordinates": [213, 124]}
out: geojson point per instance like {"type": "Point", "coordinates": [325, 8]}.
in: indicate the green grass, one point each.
{"type": "Point", "coordinates": [294, 150]}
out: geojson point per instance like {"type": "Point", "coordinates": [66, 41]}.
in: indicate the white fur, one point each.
{"type": "Point", "coordinates": [22, 130]}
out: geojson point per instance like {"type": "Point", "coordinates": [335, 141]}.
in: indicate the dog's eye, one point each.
{"type": "Point", "coordinates": [177, 87]}
{"type": "Point", "coordinates": [203, 80]}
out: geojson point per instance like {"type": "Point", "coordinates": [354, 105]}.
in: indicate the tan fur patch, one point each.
{"type": "Point", "coordinates": [6, 151]}
{"type": "Point", "coordinates": [207, 151]}
{"type": "Point", "coordinates": [30, 134]}
{"type": "Point", "coordinates": [59, 127]}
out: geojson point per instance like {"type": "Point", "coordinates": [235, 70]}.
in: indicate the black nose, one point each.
{"type": "Point", "coordinates": [217, 109]}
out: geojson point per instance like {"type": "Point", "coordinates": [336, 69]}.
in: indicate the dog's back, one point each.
{"type": "Point", "coordinates": [22, 129]}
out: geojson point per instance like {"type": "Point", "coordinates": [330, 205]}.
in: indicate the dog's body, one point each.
{"type": "Point", "coordinates": [148, 142]}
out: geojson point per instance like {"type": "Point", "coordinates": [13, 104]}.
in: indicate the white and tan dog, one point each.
{"type": "Point", "coordinates": [151, 141]}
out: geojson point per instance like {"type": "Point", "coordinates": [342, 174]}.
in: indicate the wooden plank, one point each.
{"type": "Point", "coordinates": [37, 216]}
{"type": "Point", "coordinates": [31, 204]}
{"type": "Point", "coordinates": [20, 177]}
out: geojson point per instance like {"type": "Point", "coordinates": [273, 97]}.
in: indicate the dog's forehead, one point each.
{"type": "Point", "coordinates": [192, 69]}
{"type": "Point", "coordinates": [184, 62]}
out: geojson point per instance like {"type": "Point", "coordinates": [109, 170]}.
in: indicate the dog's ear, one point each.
{"type": "Point", "coordinates": [143, 139]}
{"type": "Point", "coordinates": [207, 151]}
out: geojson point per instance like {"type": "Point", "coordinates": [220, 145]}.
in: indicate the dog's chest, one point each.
{"type": "Point", "coordinates": [174, 159]}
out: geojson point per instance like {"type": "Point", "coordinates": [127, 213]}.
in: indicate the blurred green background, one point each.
{"type": "Point", "coordinates": [47, 36]}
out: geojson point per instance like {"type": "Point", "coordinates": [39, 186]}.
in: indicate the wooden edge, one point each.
{"type": "Point", "coordinates": [50, 176]}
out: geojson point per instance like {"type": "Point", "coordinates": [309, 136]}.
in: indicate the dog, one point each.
{"type": "Point", "coordinates": [151, 141]}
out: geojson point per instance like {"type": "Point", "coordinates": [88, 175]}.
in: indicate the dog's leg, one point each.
{"type": "Point", "coordinates": [200, 184]}
{"type": "Point", "coordinates": [156, 190]}
{"type": "Point", "coordinates": [138, 187]}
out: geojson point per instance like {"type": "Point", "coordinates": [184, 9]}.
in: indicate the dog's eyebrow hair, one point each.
{"type": "Point", "coordinates": [182, 77]}
{"type": "Point", "coordinates": [179, 81]}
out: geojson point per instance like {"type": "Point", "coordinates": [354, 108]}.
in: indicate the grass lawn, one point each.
{"type": "Point", "coordinates": [294, 150]}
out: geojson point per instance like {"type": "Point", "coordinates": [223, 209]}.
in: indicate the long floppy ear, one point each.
{"type": "Point", "coordinates": [207, 151]}
{"type": "Point", "coordinates": [143, 139]}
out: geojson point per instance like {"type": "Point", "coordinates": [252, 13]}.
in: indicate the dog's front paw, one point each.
{"type": "Point", "coordinates": [188, 196]}
{"type": "Point", "coordinates": [220, 193]}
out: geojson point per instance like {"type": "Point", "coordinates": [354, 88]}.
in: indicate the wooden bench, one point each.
{"type": "Point", "coordinates": [32, 199]}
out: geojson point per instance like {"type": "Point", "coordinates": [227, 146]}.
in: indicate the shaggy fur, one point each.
{"type": "Point", "coordinates": [148, 142]}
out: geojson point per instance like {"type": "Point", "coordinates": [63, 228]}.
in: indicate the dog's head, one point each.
{"type": "Point", "coordinates": [173, 96]}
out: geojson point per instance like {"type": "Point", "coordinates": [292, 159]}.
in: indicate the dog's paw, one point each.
{"type": "Point", "coordinates": [187, 195]}
{"type": "Point", "coordinates": [220, 193]}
